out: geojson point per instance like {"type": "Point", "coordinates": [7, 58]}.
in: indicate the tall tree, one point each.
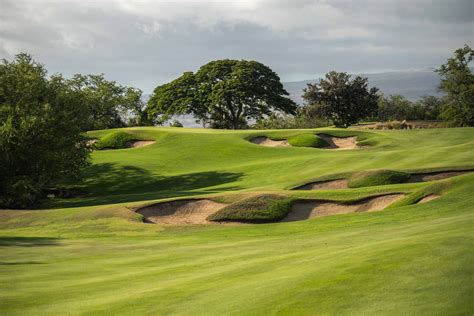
{"type": "Point", "coordinates": [41, 120]}
{"type": "Point", "coordinates": [458, 83]}
{"type": "Point", "coordinates": [223, 94]}
{"type": "Point", "coordinates": [343, 100]}
{"type": "Point", "coordinates": [107, 102]}
{"type": "Point", "coordinates": [395, 107]}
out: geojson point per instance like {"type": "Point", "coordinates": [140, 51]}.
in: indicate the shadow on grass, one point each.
{"type": "Point", "coordinates": [18, 263]}
{"type": "Point", "coordinates": [27, 241]}
{"type": "Point", "coordinates": [109, 183]}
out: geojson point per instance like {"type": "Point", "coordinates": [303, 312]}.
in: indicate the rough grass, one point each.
{"type": "Point", "coordinates": [377, 177]}
{"type": "Point", "coordinates": [115, 140]}
{"type": "Point", "coordinates": [257, 209]}
{"type": "Point", "coordinates": [307, 140]}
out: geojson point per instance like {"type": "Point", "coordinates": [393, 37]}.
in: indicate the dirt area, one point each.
{"type": "Point", "coordinates": [339, 143]}
{"type": "Point", "coordinates": [265, 141]}
{"type": "Point", "coordinates": [181, 212]}
{"type": "Point", "coordinates": [424, 177]}
{"type": "Point", "coordinates": [324, 185]}
{"type": "Point", "coordinates": [428, 198]}
{"type": "Point", "coordinates": [139, 143]}
{"type": "Point", "coordinates": [306, 209]}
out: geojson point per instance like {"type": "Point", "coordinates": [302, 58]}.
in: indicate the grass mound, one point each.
{"type": "Point", "coordinates": [377, 177]}
{"type": "Point", "coordinates": [115, 140]}
{"type": "Point", "coordinates": [258, 209]}
{"type": "Point", "coordinates": [307, 140]}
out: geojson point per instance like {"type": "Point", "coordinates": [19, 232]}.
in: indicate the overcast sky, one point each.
{"type": "Point", "coordinates": [144, 43]}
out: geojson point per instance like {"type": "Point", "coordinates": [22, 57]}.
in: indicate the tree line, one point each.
{"type": "Point", "coordinates": [43, 118]}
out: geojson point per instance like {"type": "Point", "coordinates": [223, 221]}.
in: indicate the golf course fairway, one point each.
{"type": "Point", "coordinates": [95, 255]}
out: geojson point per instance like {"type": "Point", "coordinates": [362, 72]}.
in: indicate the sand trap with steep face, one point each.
{"type": "Point", "coordinates": [432, 176]}
{"type": "Point", "coordinates": [306, 209]}
{"type": "Point", "coordinates": [416, 177]}
{"type": "Point", "coordinates": [140, 143]}
{"type": "Point", "coordinates": [429, 197]}
{"type": "Point", "coordinates": [324, 185]}
{"type": "Point", "coordinates": [265, 141]}
{"type": "Point", "coordinates": [181, 212]}
{"type": "Point", "coordinates": [339, 143]}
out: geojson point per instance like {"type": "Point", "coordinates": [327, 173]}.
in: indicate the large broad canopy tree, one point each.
{"type": "Point", "coordinates": [223, 94]}
{"type": "Point", "coordinates": [41, 120]}
{"type": "Point", "coordinates": [458, 83]}
{"type": "Point", "coordinates": [343, 100]}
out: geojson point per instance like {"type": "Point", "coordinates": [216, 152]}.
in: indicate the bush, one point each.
{"type": "Point", "coordinates": [307, 140]}
{"type": "Point", "coordinates": [378, 177]}
{"type": "Point", "coordinates": [115, 140]}
{"type": "Point", "coordinates": [176, 123]}
{"type": "Point", "coordinates": [20, 192]}
{"type": "Point", "coordinates": [259, 209]}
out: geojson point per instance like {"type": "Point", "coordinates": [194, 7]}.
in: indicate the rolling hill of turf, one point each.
{"type": "Point", "coordinates": [93, 255]}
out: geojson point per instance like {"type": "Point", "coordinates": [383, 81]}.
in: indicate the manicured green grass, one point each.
{"type": "Point", "coordinates": [263, 208]}
{"type": "Point", "coordinates": [377, 177]}
{"type": "Point", "coordinates": [115, 140]}
{"type": "Point", "coordinates": [94, 256]}
{"type": "Point", "coordinates": [307, 140]}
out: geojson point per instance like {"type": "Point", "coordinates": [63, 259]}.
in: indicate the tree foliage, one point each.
{"type": "Point", "coordinates": [397, 107]}
{"type": "Point", "coordinates": [307, 116]}
{"type": "Point", "coordinates": [41, 120]}
{"type": "Point", "coordinates": [108, 104]}
{"type": "Point", "coordinates": [458, 83]}
{"type": "Point", "coordinates": [343, 100]}
{"type": "Point", "coordinates": [223, 94]}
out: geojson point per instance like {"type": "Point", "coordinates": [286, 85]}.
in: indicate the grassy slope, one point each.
{"type": "Point", "coordinates": [101, 260]}
{"type": "Point", "coordinates": [186, 162]}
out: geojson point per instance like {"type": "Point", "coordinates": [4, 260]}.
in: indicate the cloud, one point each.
{"type": "Point", "coordinates": [151, 29]}
{"type": "Point", "coordinates": [148, 42]}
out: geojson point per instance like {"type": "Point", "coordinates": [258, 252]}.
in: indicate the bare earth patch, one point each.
{"type": "Point", "coordinates": [340, 143]}
{"type": "Point", "coordinates": [302, 210]}
{"type": "Point", "coordinates": [181, 212]}
{"type": "Point", "coordinates": [424, 177]}
{"type": "Point", "coordinates": [324, 185]}
{"type": "Point", "coordinates": [267, 142]}
{"type": "Point", "coordinates": [428, 198]}
{"type": "Point", "coordinates": [139, 143]}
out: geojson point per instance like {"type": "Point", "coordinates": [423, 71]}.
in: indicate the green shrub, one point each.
{"type": "Point", "coordinates": [176, 123]}
{"type": "Point", "coordinates": [259, 209]}
{"type": "Point", "coordinates": [307, 140]}
{"type": "Point", "coordinates": [19, 192]}
{"type": "Point", "coordinates": [115, 140]}
{"type": "Point", "coordinates": [377, 177]}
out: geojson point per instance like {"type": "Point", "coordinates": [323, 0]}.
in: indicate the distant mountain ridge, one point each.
{"type": "Point", "coordinates": [412, 84]}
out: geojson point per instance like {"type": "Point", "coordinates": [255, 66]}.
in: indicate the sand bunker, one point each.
{"type": "Point", "coordinates": [306, 209]}
{"type": "Point", "coordinates": [265, 141]}
{"type": "Point", "coordinates": [139, 143]}
{"type": "Point", "coordinates": [416, 177]}
{"type": "Point", "coordinates": [181, 212]}
{"type": "Point", "coordinates": [324, 185]}
{"type": "Point", "coordinates": [429, 197]}
{"type": "Point", "coordinates": [340, 143]}
{"type": "Point", "coordinates": [424, 177]}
